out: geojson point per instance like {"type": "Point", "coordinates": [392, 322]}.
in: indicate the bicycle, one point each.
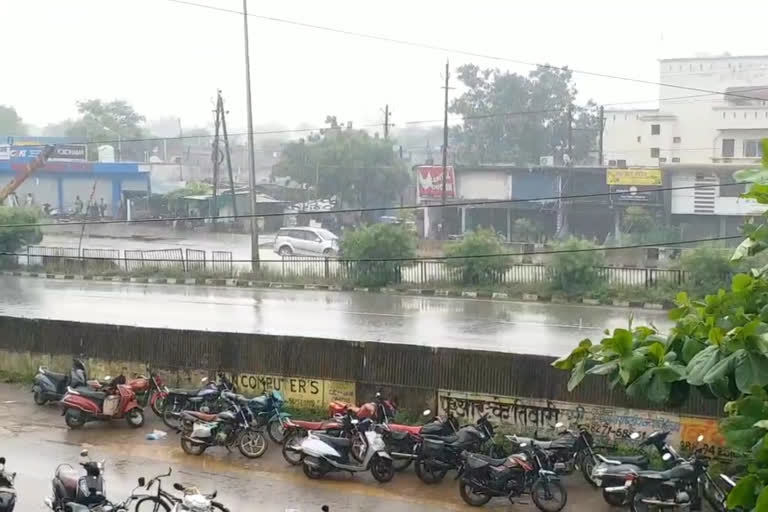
{"type": "Point", "coordinates": [162, 500]}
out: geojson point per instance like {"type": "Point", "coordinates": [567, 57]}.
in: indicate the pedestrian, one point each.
{"type": "Point", "coordinates": [29, 200]}
{"type": "Point", "coordinates": [102, 207]}
{"type": "Point", "coordinates": [78, 205]}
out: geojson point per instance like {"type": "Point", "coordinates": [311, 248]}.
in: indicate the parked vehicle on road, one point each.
{"type": "Point", "coordinates": [380, 410]}
{"type": "Point", "coordinates": [150, 391]}
{"type": "Point", "coordinates": [325, 454]}
{"type": "Point", "coordinates": [404, 441]}
{"type": "Point", "coordinates": [232, 427]}
{"type": "Point", "coordinates": [482, 478]}
{"type": "Point", "coordinates": [306, 241]}
{"type": "Point", "coordinates": [165, 501]}
{"type": "Point", "coordinates": [77, 492]}
{"type": "Point", "coordinates": [114, 401]}
{"type": "Point", "coordinates": [7, 491]}
{"type": "Point", "coordinates": [297, 430]}
{"type": "Point", "coordinates": [205, 399]}
{"type": "Point", "coordinates": [267, 410]}
{"type": "Point", "coordinates": [51, 387]}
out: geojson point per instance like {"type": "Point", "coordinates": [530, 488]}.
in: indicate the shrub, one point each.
{"type": "Point", "coordinates": [709, 269]}
{"type": "Point", "coordinates": [576, 273]}
{"type": "Point", "coordinates": [377, 242]}
{"type": "Point", "coordinates": [13, 239]}
{"type": "Point", "coordinates": [476, 270]}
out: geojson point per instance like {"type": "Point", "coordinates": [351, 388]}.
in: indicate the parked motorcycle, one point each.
{"type": "Point", "coordinates": [324, 454]}
{"type": "Point", "coordinates": [404, 441]}
{"type": "Point", "coordinates": [296, 430]}
{"type": "Point", "coordinates": [51, 387]}
{"type": "Point", "coordinates": [380, 410]}
{"type": "Point", "coordinates": [439, 454]}
{"type": "Point", "coordinates": [267, 409]}
{"type": "Point", "coordinates": [233, 427]}
{"type": "Point", "coordinates": [150, 391]}
{"type": "Point", "coordinates": [115, 401]}
{"type": "Point", "coordinates": [75, 492]}
{"type": "Point", "coordinates": [205, 399]}
{"type": "Point", "coordinates": [482, 478]}
{"type": "Point", "coordinates": [192, 501]}
{"type": "Point", "coordinates": [7, 491]}
{"type": "Point", "coordinates": [611, 471]}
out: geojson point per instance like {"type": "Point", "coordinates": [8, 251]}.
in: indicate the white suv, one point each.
{"type": "Point", "coordinates": [306, 241]}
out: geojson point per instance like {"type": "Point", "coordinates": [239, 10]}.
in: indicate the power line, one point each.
{"type": "Point", "coordinates": [428, 46]}
{"type": "Point", "coordinates": [369, 209]}
{"type": "Point", "coordinates": [417, 258]}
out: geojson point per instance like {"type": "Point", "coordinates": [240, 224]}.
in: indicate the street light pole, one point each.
{"type": "Point", "coordinates": [251, 152]}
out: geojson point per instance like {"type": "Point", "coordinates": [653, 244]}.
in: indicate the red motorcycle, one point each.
{"type": "Point", "coordinates": [150, 391]}
{"type": "Point", "coordinates": [115, 401]}
{"type": "Point", "coordinates": [380, 410]}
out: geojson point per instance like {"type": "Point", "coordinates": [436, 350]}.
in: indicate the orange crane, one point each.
{"type": "Point", "coordinates": [28, 171]}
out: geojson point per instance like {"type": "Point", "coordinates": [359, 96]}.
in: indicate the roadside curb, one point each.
{"type": "Point", "coordinates": [428, 292]}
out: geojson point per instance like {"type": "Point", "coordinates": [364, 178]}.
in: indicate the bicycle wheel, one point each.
{"type": "Point", "coordinates": [152, 504]}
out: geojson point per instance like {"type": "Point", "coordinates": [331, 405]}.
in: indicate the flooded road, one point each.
{"type": "Point", "coordinates": [544, 329]}
{"type": "Point", "coordinates": [35, 441]}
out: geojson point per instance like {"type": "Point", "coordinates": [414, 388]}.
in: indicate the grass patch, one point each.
{"type": "Point", "coordinates": [16, 377]}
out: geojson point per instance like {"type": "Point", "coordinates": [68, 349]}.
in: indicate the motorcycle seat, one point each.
{"type": "Point", "coordinates": [635, 460]}
{"type": "Point", "coordinates": [199, 415]}
{"type": "Point", "coordinates": [182, 392]}
{"type": "Point", "coordinates": [478, 460]}
{"type": "Point", "coordinates": [544, 445]}
{"type": "Point", "coordinates": [397, 435]}
{"type": "Point", "coordinates": [55, 376]}
{"type": "Point", "coordinates": [90, 393]}
{"type": "Point", "coordinates": [449, 439]}
{"type": "Point", "coordinates": [336, 442]}
{"type": "Point", "coordinates": [411, 429]}
{"type": "Point", "coordinates": [681, 471]}
{"type": "Point", "coordinates": [316, 425]}
{"type": "Point", "coordinates": [195, 399]}
{"type": "Point", "coordinates": [69, 478]}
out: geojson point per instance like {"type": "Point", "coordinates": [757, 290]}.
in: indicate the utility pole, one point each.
{"type": "Point", "coordinates": [181, 151]}
{"type": "Point", "coordinates": [570, 134]}
{"type": "Point", "coordinates": [251, 152]}
{"type": "Point", "coordinates": [227, 155]}
{"type": "Point", "coordinates": [386, 122]}
{"type": "Point", "coordinates": [215, 157]}
{"type": "Point", "coordinates": [601, 127]}
{"type": "Point", "coordinates": [445, 132]}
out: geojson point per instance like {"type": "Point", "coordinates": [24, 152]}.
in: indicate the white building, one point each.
{"type": "Point", "coordinates": [695, 127]}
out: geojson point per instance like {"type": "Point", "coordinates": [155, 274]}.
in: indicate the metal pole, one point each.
{"type": "Point", "coordinates": [445, 134]}
{"type": "Point", "coordinates": [181, 151]}
{"type": "Point", "coordinates": [386, 122]}
{"type": "Point", "coordinates": [251, 152]}
{"type": "Point", "coordinates": [600, 139]}
{"type": "Point", "coordinates": [226, 154]}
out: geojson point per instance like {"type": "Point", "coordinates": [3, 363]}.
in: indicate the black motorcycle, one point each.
{"type": "Point", "coordinates": [50, 386]}
{"type": "Point", "coordinates": [7, 491]}
{"type": "Point", "coordinates": [482, 478]}
{"type": "Point", "coordinates": [73, 491]}
{"type": "Point", "coordinates": [235, 426]}
{"type": "Point", "coordinates": [439, 454]}
{"type": "Point", "coordinates": [205, 399]}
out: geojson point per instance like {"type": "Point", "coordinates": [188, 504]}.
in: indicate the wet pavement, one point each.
{"type": "Point", "coordinates": [35, 441]}
{"type": "Point", "coordinates": [544, 329]}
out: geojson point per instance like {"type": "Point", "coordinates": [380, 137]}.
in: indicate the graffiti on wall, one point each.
{"type": "Point", "coordinates": [299, 391]}
{"type": "Point", "coordinates": [713, 443]}
{"type": "Point", "coordinates": [529, 414]}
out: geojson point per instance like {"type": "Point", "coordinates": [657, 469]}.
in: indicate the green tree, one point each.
{"type": "Point", "coordinates": [13, 239]}
{"type": "Point", "coordinates": [10, 122]}
{"type": "Point", "coordinates": [477, 268]}
{"type": "Point", "coordinates": [637, 220]}
{"type": "Point", "coordinates": [359, 169]}
{"type": "Point", "coordinates": [375, 243]}
{"type": "Point", "coordinates": [111, 121]}
{"type": "Point", "coordinates": [494, 131]}
{"type": "Point", "coordinates": [708, 269]}
{"type": "Point", "coordinates": [575, 269]}
{"type": "Point", "coordinates": [523, 230]}
{"type": "Point", "coordinates": [718, 346]}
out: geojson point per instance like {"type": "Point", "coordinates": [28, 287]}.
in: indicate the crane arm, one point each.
{"type": "Point", "coordinates": [29, 169]}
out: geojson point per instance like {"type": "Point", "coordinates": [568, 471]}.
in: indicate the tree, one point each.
{"type": "Point", "coordinates": [13, 239]}
{"type": "Point", "coordinates": [376, 243]}
{"type": "Point", "coordinates": [359, 169]}
{"type": "Point", "coordinates": [514, 118]}
{"type": "Point", "coordinates": [637, 220]}
{"type": "Point", "coordinates": [10, 122]}
{"type": "Point", "coordinates": [523, 230]}
{"type": "Point", "coordinates": [575, 269]}
{"type": "Point", "coordinates": [719, 347]}
{"type": "Point", "coordinates": [474, 269]}
{"type": "Point", "coordinates": [111, 121]}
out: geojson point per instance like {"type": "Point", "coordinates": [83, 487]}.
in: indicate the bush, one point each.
{"type": "Point", "coordinates": [13, 239]}
{"type": "Point", "coordinates": [478, 270]}
{"type": "Point", "coordinates": [576, 273]}
{"type": "Point", "coordinates": [377, 242]}
{"type": "Point", "coordinates": [709, 269]}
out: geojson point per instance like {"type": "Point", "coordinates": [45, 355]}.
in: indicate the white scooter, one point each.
{"type": "Point", "coordinates": [323, 454]}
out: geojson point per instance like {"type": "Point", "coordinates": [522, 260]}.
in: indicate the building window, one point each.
{"type": "Point", "coordinates": [639, 138]}
{"type": "Point", "coordinates": [753, 149]}
{"type": "Point", "coordinates": [655, 152]}
{"type": "Point", "coordinates": [723, 115]}
{"type": "Point", "coordinates": [621, 164]}
{"type": "Point", "coordinates": [675, 159]}
{"type": "Point", "coordinates": [662, 160]}
{"type": "Point", "coordinates": [728, 145]}
{"type": "Point", "coordinates": [676, 140]}
{"type": "Point", "coordinates": [655, 129]}
{"type": "Point", "coordinates": [611, 163]}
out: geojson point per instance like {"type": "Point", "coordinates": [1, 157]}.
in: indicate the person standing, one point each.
{"type": "Point", "coordinates": [78, 206]}
{"type": "Point", "coordinates": [102, 207]}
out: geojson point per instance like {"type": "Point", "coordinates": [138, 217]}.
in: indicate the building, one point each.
{"type": "Point", "coordinates": [690, 127]}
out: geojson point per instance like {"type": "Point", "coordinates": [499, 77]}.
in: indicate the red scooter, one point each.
{"type": "Point", "coordinates": [115, 401]}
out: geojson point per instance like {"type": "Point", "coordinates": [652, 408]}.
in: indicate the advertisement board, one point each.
{"type": "Point", "coordinates": [429, 180]}
{"type": "Point", "coordinates": [5, 152]}
{"type": "Point", "coordinates": [61, 152]}
{"type": "Point", "coordinates": [646, 177]}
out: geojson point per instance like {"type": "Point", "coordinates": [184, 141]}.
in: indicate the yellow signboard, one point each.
{"type": "Point", "coordinates": [299, 391]}
{"type": "Point", "coordinates": [633, 177]}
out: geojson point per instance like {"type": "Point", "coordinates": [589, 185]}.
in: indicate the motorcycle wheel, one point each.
{"type": "Point", "coordinates": [637, 505]}
{"type": "Point", "coordinates": [382, 469]}
{"type": "Point", "coordinates": [549, 495]}
{"type": "Point", "coordinates": [151, 504]}
{"type": "Point", "coordinates": [276, 431]}
{"type": "Point", "coordinates": [358, 449]}
{"type": "Point", "coordinates": [614, 500]}
{"type": "Point", "coordinates": [171, 411]}
{"type": "Point", "coordinates": [74, 419]}
{"type": "Point", "coordinates": [192, 448]}
{"type": "Point", "coordinates": [587, 465]}
{"type": "Point", "coordinates": [39, 398]}
{"type": "Point", "coordinates": [135, 417]}
{"type": "Point", "coordinates": [401, 464]}
{"type": "Point", "coordinates": [252, 444]}
{"type": "Point", "coordinates": [290, 454]}
{"type": "Point", "coordinates": [427, 473]}
{"type": "Point", "coordinates": [157, 402]}
{"type": "Point", "coordinates": [311, 472]}
{"type": "Point", "coordinates": [472, 497]}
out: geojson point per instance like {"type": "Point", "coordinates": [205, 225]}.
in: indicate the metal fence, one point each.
{"type": "Point", "coordinates": [221, 262]}
{"type": "Point", "coordinates": [195, 260]}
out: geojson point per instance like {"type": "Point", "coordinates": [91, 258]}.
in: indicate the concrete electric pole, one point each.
{"type": "Point", "coordinates": [251, 151]}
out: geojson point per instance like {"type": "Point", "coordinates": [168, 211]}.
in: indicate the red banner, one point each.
{"type": "Point", "coordinates": [430, 181]}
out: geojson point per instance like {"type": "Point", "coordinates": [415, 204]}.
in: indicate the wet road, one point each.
{"type": "Point", "coordinates": [35, 441]}
{"type": "Point", "coordinates": [545, 329]}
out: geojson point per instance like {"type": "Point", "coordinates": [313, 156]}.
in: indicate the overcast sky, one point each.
{"type": "Point", "coordinates": [168, 59]}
